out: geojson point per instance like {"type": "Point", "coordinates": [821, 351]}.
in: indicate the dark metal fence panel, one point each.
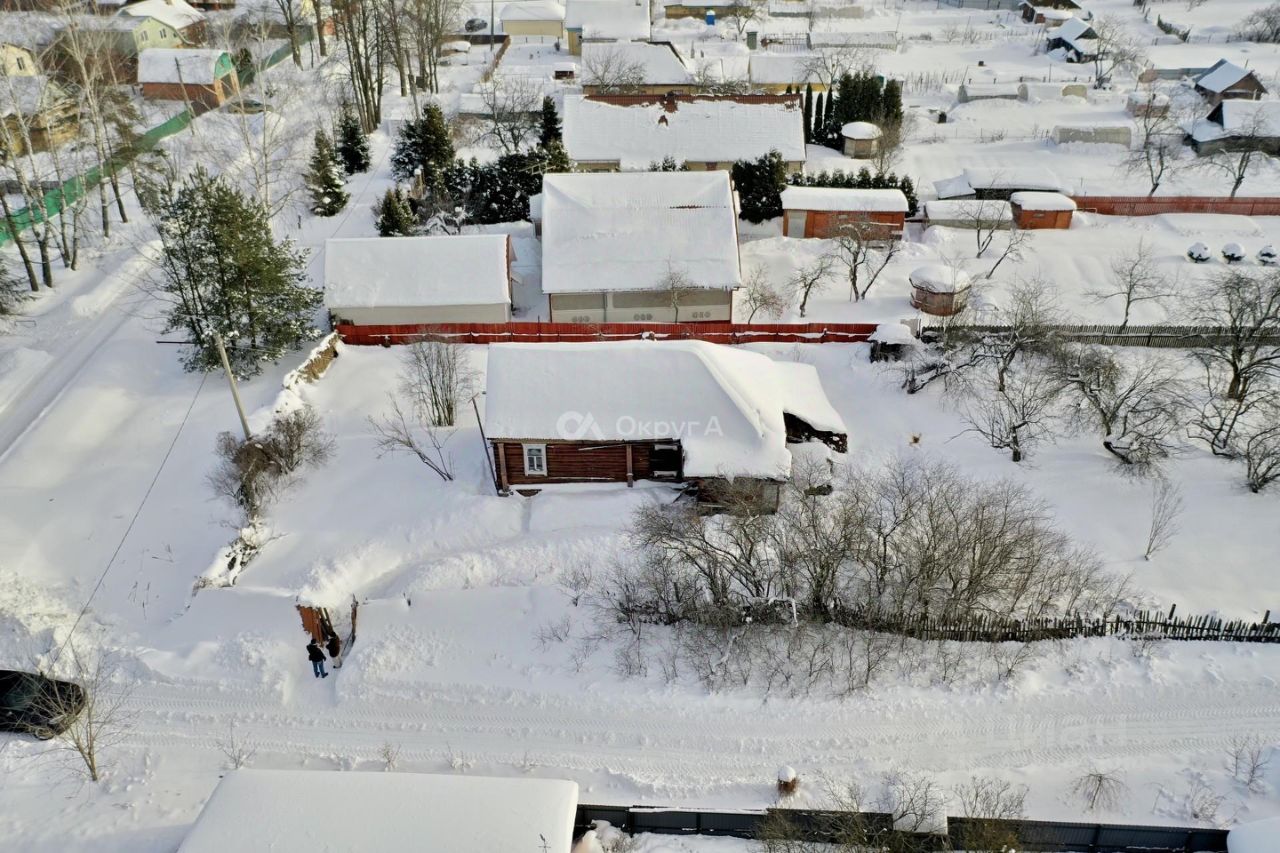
{"type": "Point", "coordinates": [1034, 836]}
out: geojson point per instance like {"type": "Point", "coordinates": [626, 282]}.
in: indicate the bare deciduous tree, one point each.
{"type": "Point", "coordinates": [826, 65]}
{"type": "Point", "coordinates": [985, 217]}
{"type": "Point", "coordinates": [238, 751]}
{"type": "Point", "coordinates": [98, 712]}
{"type": "Point", "coordinates": [810, 279]}
{"type": "Point", "coordinates": [436, 378]}
{"type": "Point", "coordinates": [915, 801]}
{"type": "Point", "coordinates": [1245, 308]}
{"type": "Point", "coordinates": [1247, 143]}
{"type": "Point", "coordinates": [1114, 49]}
{"type": "Point", "coordinates": [1100, 789]}
{"type": "Point", "coordinates": [1134, 279]}
{"type": "Point", "coordinates": [1131, 403]}
{"type": "Point", "coordinates": [397, 433]}
{"type": "Point", "coordinates": [1015, 414]}
{"type": "Point", "coordinates": [1166, 509]}
{"type": "Point", "coordinates": [1158, 148]}
{"type": "Point", "coordinates": [609, 71]}
{"type": "Point", "coordinates": [856, 247]}
{"type": "Point", "coordinates": [512, 105]}
{"type": "Point", "coordinates": [760, 296]}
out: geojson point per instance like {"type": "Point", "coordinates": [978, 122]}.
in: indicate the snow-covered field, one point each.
{"type": "Point", "coordinates": [472, 655]}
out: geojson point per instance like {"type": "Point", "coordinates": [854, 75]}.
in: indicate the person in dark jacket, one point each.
{"type": "Point", "coordinates": [317, 659]}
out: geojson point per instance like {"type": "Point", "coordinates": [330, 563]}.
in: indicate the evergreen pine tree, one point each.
{"type": "Point", "coordinates": [891, 100]}
{"type": "Point", "coordinates": [808, 112]}
{"type": "Point", "coordinates": [908, 188]}
{"type": "Point", "coordinates": [221, 270]}
{"type": "Point", "coordinates": [830, 134]}
{"type": "Point", "coordinates": [817, 133]}
{"type": "Point", "coordinates": [393, 216]}
{"type": "Point", "coordinates": [423, 146]}
{"type": "Point", "coordinates": [551, 131]}
{"type": "Point", "coordinates": [324, 178]}
{"type": "Point", "coordinates": [352, 144]}
{"type": "Point", "coordinates": [760, 184]}
{"type": "Point", "coordinates": [556, 159]}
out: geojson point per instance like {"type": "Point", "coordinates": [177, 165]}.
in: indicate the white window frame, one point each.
{"type": "Point", "coordinates": [542, 457]}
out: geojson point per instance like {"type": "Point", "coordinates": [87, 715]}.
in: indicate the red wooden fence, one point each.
{"type": "Point", "coordinates": [1141, 205]}
{"type": "Point", "coordinates": [718, 333]}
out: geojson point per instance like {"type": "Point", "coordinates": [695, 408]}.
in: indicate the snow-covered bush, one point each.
{"type": "Point", "coordinates": [1267, 256]}
{"type": "Point", "coordinates": [1199, 253]}
{"type": "Point", "coordinates": [1233, 253]}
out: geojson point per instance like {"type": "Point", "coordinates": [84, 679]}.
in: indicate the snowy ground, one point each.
{"type": "Point", "coordinates": [469, 655]}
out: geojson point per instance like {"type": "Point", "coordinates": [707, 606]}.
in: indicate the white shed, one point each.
{"type": "Point", "coordinates": [302, 811]}
{"type": "Point", "coordinates": [385, 281]}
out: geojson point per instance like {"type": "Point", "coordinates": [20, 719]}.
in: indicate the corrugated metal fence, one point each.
{"type": "Point", "coordinates": [720, 333]}
{"type": "Point", "coordinates": [826, 826]}
{"type": "Point", "coordinates": [1142, 205]}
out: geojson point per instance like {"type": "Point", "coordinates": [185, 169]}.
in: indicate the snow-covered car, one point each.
{"type": "Point", "coordinates": [475, 25]}
{"type": "Point", "coordinates": [244, 104]}
{"type": "Point", "coordinates": [35, 705]}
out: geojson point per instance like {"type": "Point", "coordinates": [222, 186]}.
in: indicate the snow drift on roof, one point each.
{"type": "Point", "coordinates": [724, 404]}
{"type": "Point", "coordinates": [410, 272]}
{"type": "Point", "coordinates": [860, 130]}
{"type": "Point", "coordinates": [300, 811]}
{"type": "Point", "coordinates": [176, 13]}
{"type": "Point", "coordinates": [1025, 178]}
{"type": "Point", "coordinates": [1042, 201]}
{"type": "Point", "coordinates": [838, 198]}
{"type": "Point", "coordinates": [1221, 77]}
{"type": "Point", "coordinates": [627, 231]}
{"type": "Point", "coordinates": [532, 10]}
{"type": "Point", "coordinates": [939, 278]}
{"type": "Point", "coordinates": [172, 65]}
{"type": "Point", "coordinates": [698, 129]}
{"type": "Point", "coordinates": [1240, 118]}
{"type": "Point", "coordinates": [608, 19]}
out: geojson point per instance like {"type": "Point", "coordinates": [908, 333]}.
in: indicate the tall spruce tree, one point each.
{"type": "Point", "coordinates": [760, 184]}
{"type": "Point", "coordinates": [808, 112]}
{"type": "Point", "coordinates": [324, 178]}
{"type": "Point", "coordinates": [221, 270]}
{"type": "Point", "coordinates": [423, 146]}
{"type": "Point", "coordinates": [817, 132]}
{"type": "Point", "coordinates": [352, 144]}
{"type": "Point", "coordinates": [891, 103]}
{"type": "Point", "coordinates": [551, 131]}
{"type": "Point", "coordinates": [392, 214]}
{"type": "Point", "coordinates": [830, 133]}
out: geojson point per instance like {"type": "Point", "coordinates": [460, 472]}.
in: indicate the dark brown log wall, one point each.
{"type": "Point", "coordinates": [577, 462]}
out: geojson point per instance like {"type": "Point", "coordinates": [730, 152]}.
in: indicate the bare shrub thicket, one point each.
{"type": "Point", "coordinates": [236, 749]}
{"type": "Point", "coordinates": [252, 473]}
{"type": "Point", "coordinates": [1248, 757]}
{"type": "Point", "coordinates": [916, 801]}
{"type": "Point", "coordinates": [1166, 509]}
{"type": "Point", "coordinates": [813, 596]}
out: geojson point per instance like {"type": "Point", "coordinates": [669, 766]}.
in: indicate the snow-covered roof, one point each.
{"type": "Point", "coordinates": [608, 19]}
{"type": "Point", "coordinates": [179, 65]}
{"type": "Point", "coordinates": [1074, 32]}
{"type": "Point", "coordinates": [1016, 178]}
{"type": "Point", "coordinates": [780, 68]}
{"type": "Point", "coordinates": [629, 230]}
{"type": "Point", "coordinates": [639, 130]}
{"type": "Point", "coordinates": [659, 64]}
{"type": "Point", "coordinates": [29, 95]}
{"type": "Point", "coordinates": [410, 272]}
{"type": "Point", "coordinates": [1256, 837]}
{"type": "Point", "coordinates": [839, 198]}
{"type": "Point", "coordinates": [176, 13]}
{"type": "Point", "coordinates": [939, 278]}
{"type": "Point", "coordinates": [967, 210]}
{"type": "Point", "coordinates": [724, 404]}
{"type": "Point", "coordinates": [1222, 76]}
{"type": "Point", "coordinates": [1142, 99]}
{"type": "Point", "coordinates": [301, 811]}
{"type": "Point", "coordinates": [860, 130]}
{"type": "Point", "coordinates": [1042, 201]}
{"type": "Point", "coordinates": [1051, 14]}
{"type": "Point", "coordinates": [1239, 117]}
{"type": "Point", "coordinates": [893, 333]}
{"type": "Point", "coordinates": [532, 10]}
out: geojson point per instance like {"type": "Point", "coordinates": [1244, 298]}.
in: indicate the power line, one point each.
{"type": "Point", "coordinates": [132, 521]}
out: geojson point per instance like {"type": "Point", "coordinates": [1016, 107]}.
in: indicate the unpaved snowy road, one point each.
{"type": "Point", "coordinates": [660, 745]}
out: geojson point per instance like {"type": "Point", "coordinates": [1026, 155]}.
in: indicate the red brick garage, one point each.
{"type": "Point", "coordinates": [821, 212]}
{"type": "Point", "coordinates": [1033, 210]}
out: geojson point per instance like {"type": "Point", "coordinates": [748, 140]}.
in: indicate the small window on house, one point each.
{"type": "Point", "coordinates": [142, 37]}
{"type": "Point", "coordinates": [22, 64]}
{"type": "Point", "coordinates": [535, 460]}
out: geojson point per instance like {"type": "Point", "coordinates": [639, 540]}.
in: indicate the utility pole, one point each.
{"type": "Point", "coordinates": [231, 378]}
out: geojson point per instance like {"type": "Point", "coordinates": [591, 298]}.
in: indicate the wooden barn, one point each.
{"type": "Point", "coordinates": [680, 412]}
{"type": "Point", "coordinates": [196, 76]}
{"type": "Point", "coordinates": [1226, 81]}
{"type": "Point", "coordinates": [822, 211]}
{"type": "Point", "coordinates": [391, 281]}
{"type": "Point", "coordinates": [1041, 210]}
